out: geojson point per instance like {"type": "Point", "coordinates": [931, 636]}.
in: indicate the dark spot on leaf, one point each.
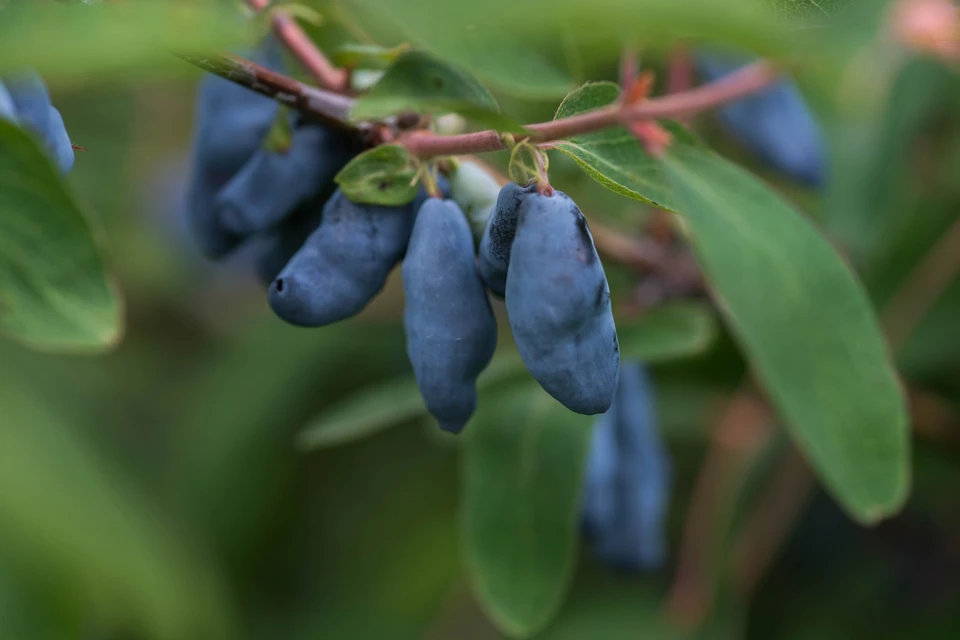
{"type": "Point", "coordinates": [437, 82]}
{"type": "Point", "coordinates": [386, 184]}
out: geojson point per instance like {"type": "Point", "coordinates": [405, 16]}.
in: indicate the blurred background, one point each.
{"type": "Point", "coordinates": [167, 472]}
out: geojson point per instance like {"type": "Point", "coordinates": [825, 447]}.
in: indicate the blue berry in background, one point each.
{"type": "Point", "coordinates": [450, 327]}
{"type": "Point", "coordinates": [8, 111]}
{"type": "Point", "coordinates": [776, 124]}
{"type": "Point", "coordinates": [271, 185]}
{"type": "Point", "coordinates": [628, 479]}
{"type": "Point", "coordinates": [599, 489]}
{"type": "Point", "coordinates": [558, 304]}
{"type": "Point", "coordinates": [232, 122]}
{"type": "Point", "coordinates": [343, 264]}
{"type": "Point", "coordinates": [494, 253]}
{"type": "Point", "coordinates": [36, 114]}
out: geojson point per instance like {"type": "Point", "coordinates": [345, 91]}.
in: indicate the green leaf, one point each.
{"type": "Point", "coordinates": [520, 47]}
{"type": "Point", "coordinates": [54, 291]}
{"type": "Point", "coordinates": [613, 157]}
{"type": "Point", "coordinates": [668, 332]}
{"type": "Point", "coordinates": [69, 517]}
{"type": "Point", "coordinates": [806, 326]}
{"type": "Point", "coordinates": [366, 56]}
{"type": "Point", "coordinates": [63, 42]}
{"type": "Point", "coordinates": [472, 37]}
{"type": "Point", "coordinates": [383, 175]}
{"type": "Point", "coordinates": [522, 470]}
{"type": "Point", "coordinates": [422, 83]}
{"type": "Point", "coordinates": [366, 412]}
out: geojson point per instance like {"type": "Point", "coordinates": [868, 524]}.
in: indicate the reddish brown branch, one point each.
{"type": "Point", "coordinates": [731, 87]}
{"type": "Point", "coordinates": [328, 107]}
{"type": "Point", "coordinates": [324, 72]}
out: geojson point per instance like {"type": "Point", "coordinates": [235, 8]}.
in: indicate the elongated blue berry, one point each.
{"type": "Point", "coordinates": [775, 124]}
{"type": "Point", "coordinates": [36, 114]}
{"type": "Point", "coordinates": [271, 185]}
{"type": "Point", "coordinates": [343, 264]}
{"type": "Point", "coordinates": [627, 489]}
{"type": "Point", "coordinates": [494, 254]}
{"type": "Point", "coordinates": [451, 330]}
{"type": "Point", "coordinates": [232, 122]}
{"type": "Point", "coordinates": [558, 303]}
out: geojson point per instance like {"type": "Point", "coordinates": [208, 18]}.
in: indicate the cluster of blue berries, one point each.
{"type": "Point", "coordinates": [24, 101]}
{"type": "Point", "coordinates": [331, 256]}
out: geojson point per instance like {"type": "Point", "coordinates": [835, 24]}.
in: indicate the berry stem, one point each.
{"type": "Point", "coordinates": [286, 28]}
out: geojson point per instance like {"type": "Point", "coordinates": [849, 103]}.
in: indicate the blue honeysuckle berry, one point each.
{"type": "Point", "coordinates": [35, 113]}
{"type": "Point", "coordinates": [343, 264]}
{"type": "Point", "coordinates": [628, 479]}
{"type": "Point", "coordinates": [450, 327]}
{"type": "Point", "coordinates": [271, 184]}
{"type": "Point", "coordinates": [558, 305]}
{"type": "Point", "coordinates": [497, 240]}
{"type": "Point", "coordinates": [775, 124]}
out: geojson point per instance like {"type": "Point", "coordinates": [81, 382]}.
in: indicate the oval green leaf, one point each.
{"type": "Point", "coordinates": [55, 294]}
{"type": "Point", "coordinates": [806, 325]}
{"type": "Point", "coordinates": [523, 465]}
{"type": "Point", "coordinates": [384, 175]}
{"type": "Point", "coordinates": [422, 83]}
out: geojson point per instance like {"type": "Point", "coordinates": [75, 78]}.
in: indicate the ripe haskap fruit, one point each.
{"type": "Point", "coordinates": [232, 122]}
{"type": "Point", "coordinates": [495, 246]}
{"type": "Point", "coordinates": [271, 185]}
{"type": "Point", "coordinates": [627, 487]}
{"type": "Point", "coordinates": [476, 192]}
{"type": "Point", "coordinates": [37, 115]}
{"type": "Point", "coordinates": [451, 330]}
{"type": "Point", "coordinates": [558, 303]}
{"type": "Point", "coordinates": [775, 123]}
{"type": "Point", "coordinates": [343, 264]}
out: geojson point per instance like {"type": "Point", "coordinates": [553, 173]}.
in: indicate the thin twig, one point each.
{"type": "Point", "coordinates": [924, 286]}
{"type": "Point", "coordinates": [738, 437]}
{"type": "Point", "coordinates": [743, 82]}
{"type": "Point", "coordinates": [777, 511]}
{"type": "Point", "coordinates": [286, 28]}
